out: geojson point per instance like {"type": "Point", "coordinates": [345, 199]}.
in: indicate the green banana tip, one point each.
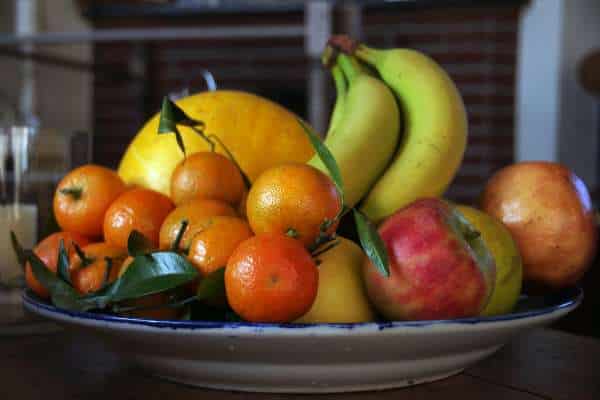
{"type": "Point", "coordinates": [343, 43]}
{"type": "Point", "coordinates": [329, 56]}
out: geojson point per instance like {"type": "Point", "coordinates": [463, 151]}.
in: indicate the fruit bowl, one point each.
{"type": "Point", "coordinates": [309, 358]}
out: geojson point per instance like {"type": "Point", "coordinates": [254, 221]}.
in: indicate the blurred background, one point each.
{"type": "Point", "coordinates": [88, 74]}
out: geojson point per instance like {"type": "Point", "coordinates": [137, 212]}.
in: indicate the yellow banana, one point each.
{"type": "Point", "coordinates": [434, 132]}
{"type": "Point", "coordinates": [364, 138]}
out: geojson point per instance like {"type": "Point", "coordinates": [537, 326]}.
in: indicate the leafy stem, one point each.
{"type": "Point", "coordinates": [325, 249]}
{"type": "Point", "coordinates": [233, 160]}
{"type": "Point", "coordinates": [74, 192]}
{"type": "Point", "coordinates": [85, 260]}
{"type": "Point", "coordinates": [207, 139]}
{"type": "Point", "coordinates": [176, 243]}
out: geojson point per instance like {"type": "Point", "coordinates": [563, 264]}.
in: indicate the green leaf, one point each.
{"type": "Point", "coordinates": [138, 244]}
{"type": "Point", "coordinates": [170, 116]}
{"type": "Point", "coordinates": [152, 273]}
{"type": "Point", "coordinates": [18, 249]}
{"type": "Point", "coordinates": [326, 157]}
{"type": "Point", "coordinates": [62, 264]}
{"type": "Point", "coordinates": [62, 294]}
{"type": "Point", "coordinates": [212, 286]}
{"type": "Point", "coordinates": [371, 243]}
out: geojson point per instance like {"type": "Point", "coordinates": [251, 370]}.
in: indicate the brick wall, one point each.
{"type": "Point", "coordinates": [476, 46]}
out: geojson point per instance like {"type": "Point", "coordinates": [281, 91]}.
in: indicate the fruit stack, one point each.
{"type": "Point", "coordinates": [226, 206]}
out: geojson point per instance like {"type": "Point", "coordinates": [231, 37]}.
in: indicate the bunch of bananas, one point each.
{"type": "Point", "coordinates": [398, 133]}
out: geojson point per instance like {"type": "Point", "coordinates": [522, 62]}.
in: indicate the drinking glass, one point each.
{"type": "Point", "coordinates": [32, 161]}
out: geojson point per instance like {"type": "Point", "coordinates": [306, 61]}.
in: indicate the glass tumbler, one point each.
{"type": "Point", "coordinates": [19, 210]}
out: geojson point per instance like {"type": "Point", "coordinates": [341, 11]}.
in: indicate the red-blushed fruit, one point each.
{"type": "Point", "coordinates": [548, 211]}
{"type": "Point", "coordinates": [271, 278]}
{"type": "Point", "coordinates": [439, 267]}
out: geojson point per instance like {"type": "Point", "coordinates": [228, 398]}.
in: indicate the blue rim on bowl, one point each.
{"type": "Point", "coordinates": [527, 307]}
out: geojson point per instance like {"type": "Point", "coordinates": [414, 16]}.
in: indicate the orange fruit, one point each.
{"type": "Point", "coordinates": [83, 196]}
{"type": "Point", "coordinates": [195, 213]}
{"type": "Point", "coordinates": [271, 278]}
{"type": "Point", "coordinates": [292, 198]}
{"type": "Point", "coordinates": [212, 247]}
{"type": "Point", "coordinates": [47, 251]}
{"type": "Point", "coordinates": [151, 306]}
{"type": "Point", "coordinates": [91, 276]}
{"type": "Point", "coordinates": [207, 175]}
{"type": "Point", "coordinates": [143, 210]}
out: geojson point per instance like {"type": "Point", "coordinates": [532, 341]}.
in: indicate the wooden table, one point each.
{"type": "Point", "coordinates": [542, 364]}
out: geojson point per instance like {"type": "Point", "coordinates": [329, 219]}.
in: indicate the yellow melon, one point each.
{"type": "Point", "coordinates": [259, 133]}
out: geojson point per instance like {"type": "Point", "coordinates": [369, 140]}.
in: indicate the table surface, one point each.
{"type": "Point", "coordinates": [541, 364]}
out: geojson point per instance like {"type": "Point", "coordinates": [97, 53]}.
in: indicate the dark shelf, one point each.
{"type": "Point", "coordinates": [194, 8]}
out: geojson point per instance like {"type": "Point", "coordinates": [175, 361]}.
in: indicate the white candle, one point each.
{"type": "Point", "coordinates": [21, 219]}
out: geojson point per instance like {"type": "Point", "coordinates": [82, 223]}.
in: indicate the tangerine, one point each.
{"type": "Point", "coordinates": [47, 251]}
{"type": "Point", "coordinates": [91, 274]}
{"type": "Point", "coordinates": [195, 213]}
{"type": "Point", "coordinates": [207, 175]}
{"type": "Point", "coordinates": [271, 278]}
{"type": "Point", "coordinates": [83, 196]}
{"type": "Point", "coordinates": [212, 247]}
{"type": "Point", "coordinates": [139, 209]}
{"type": "Point", "coordinates": [295, 199]}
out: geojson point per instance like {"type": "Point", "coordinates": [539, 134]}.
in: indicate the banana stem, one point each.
{"type": "Point", "coordinates": [350, 66]}
{"type": "Point", "coordinates": [367, 54]}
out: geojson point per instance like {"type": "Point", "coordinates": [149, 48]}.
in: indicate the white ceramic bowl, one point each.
{"type": "Point", "coordinates": [312, 357]}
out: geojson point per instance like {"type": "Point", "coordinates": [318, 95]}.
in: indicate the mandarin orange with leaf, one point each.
{"type": "Point", "coordinates": [47, 251]}
{"type": "Point", "coordinates": [271, 278]}
{"type": "Point", "coordinates": [83, 196]}
{"type": "Point", "coordinates": [99, 266]}
{"type": "Point", "coordinates": [195, 213]}
{"type": "Point", "coordinates": [211, 248]}
{"type": "Point", "coordinates": [293, 199]}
